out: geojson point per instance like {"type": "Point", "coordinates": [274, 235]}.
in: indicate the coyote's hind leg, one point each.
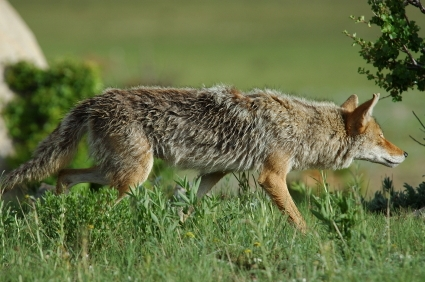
{"type": "Point", "coordinates": [122, 150]}
{"type": "Point", "coordinates": [132, 174]}
{"type": "Point", "coordinates": [124, 159]}
{"type": "Point", "coordinates": [121, 177]}
{"type": "Point", "coordinates": [70, 177]}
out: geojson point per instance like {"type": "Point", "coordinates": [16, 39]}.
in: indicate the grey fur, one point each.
{"type": "Point", "coordinates": [211, 129]}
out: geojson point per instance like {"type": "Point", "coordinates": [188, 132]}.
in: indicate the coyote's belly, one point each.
{"type": "Point", "coordinates": [209, 157]}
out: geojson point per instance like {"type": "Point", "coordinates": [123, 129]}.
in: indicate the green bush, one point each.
{"type": "Point", "coordinates": [43, 96]}
{"type": "Point", "coordinates": [66, 218]}
{"type": "Point", "coordinates": [388, 198]}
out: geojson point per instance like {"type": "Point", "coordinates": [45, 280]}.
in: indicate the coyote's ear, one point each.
{"type": "Point", "coordinates": [363, 113]}
{"type": "Point", "coordinates": [357, 120]}
{"type": "Point", "coordinates": [351, 104]}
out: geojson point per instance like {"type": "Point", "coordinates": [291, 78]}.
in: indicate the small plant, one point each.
{"type": "Point", "coordinates": [6, 221]}
{"type": "Point", "coordinates": [152, 213]}
{"type": "Point", "coordinates": [189, 206]}
{"type": "Point", "coordinates": [243, 182]}
{"type": "Point", "coordinates": [244, 187]}
{"type": "Point", "coordinates": [339, 212]}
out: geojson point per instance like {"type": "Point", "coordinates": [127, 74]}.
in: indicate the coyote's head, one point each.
{"type": "Point", "coordinates": [367, 134]}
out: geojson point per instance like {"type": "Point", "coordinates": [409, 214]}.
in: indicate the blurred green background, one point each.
{"type": "Point", "coordinates": [294, 46]}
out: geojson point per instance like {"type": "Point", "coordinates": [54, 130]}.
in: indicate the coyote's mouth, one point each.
{"type": "Point", "coordinates": [391, 163]}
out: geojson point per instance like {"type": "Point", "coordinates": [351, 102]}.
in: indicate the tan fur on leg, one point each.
{"type": "Point", "coordinates": [133, 176]}
{"type": "Point", "coordinates": [273, 180]}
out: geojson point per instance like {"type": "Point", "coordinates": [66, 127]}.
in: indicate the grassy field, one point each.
{"type": "Point", "coordinates": [297, 47]}
{"type": "Point", "coordinates": [85, 237]}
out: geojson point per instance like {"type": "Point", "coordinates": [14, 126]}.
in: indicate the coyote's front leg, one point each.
{"type": "Point", "coordinates": [273, 179]}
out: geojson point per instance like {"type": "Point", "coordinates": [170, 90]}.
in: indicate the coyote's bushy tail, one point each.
{"type": "Point", "coordinates": [54, 152]}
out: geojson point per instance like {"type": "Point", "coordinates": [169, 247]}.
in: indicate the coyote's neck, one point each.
{"type": "Point", "coordinates": [314, 135]}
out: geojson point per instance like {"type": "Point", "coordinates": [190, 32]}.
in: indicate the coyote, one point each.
{"type": "Point", "coordinates": [214, 130]}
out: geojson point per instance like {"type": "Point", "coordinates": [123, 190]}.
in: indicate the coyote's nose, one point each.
{"type": "Point", "coordinates": [405, 154]}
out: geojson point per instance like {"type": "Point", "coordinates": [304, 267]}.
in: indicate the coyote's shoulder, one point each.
{"type": "Point", "coordinates": [215, 130]}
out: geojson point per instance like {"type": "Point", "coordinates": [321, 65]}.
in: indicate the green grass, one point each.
{"type": "Point", "coordinates": [85, 237]}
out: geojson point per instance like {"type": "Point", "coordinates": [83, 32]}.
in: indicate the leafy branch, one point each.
{"type": "Point", "coordinates": [399, 53]}
{"type": "Point", "coordinates": [423, 130]}
{"type": "Point", "coordinates": [417, 4]}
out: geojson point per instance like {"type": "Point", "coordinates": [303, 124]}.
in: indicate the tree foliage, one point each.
{"type": "Point", "coordinates": [399, 53]}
